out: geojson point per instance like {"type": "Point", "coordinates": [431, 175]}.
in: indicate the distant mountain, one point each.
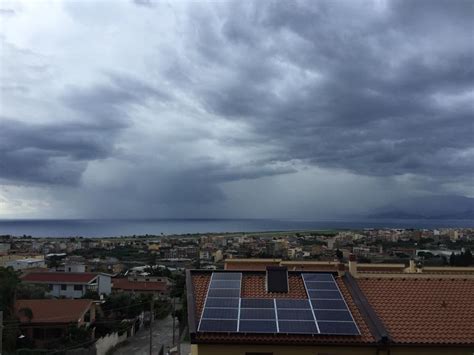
{"type": "Point", "coordinates": [428, 207]}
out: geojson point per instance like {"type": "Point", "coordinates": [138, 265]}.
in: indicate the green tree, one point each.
{"type": "Point", "coordinates": [30, 292]}
{"type": "Point", "coordinates": [9, 281]}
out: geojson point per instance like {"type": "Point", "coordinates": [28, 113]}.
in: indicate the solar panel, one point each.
{"type": "Point", "coordinates": [318, 277]}
{"type": "Point", "coordinates": [227, 276]}
{"type": "Point", "coordinates": [325, 312]}
{"type": "Point", "coordinates": [224, 292]}
{"type": "Point", "coordinates": [257, 303]}
{"type": "Point", "coordinates": [222, 302]}
{"type": "Point", "coordinates": [257, 326]}
{"type": "Point", "coordinates": [321, 285]}
{"type": "Point", "coordinates": [225, 284]}
{"type": "Point", "coordinates": [218, 325]}
{"type": "Point", "coordinates": [300, 327]}
{"type": "Point", "coordinates": [221, 313]}
{"type": "Point", "coordinates": [332, 315]}
{"type": "Point", "coordinates": [221, 310]}
{"type": "Point", "coordinates": [295, 304]}
{"type": "Point", "coordinates": [325, 295]}
{"type": "Point", "coordinates": [342, 328]}
{"type": "Point", "coordinates": [328, 305]}
{"type": "Point", "coordinates": [277, 279]}
{"type": "Point", "coordinates": [295, 314]}
{"type": "Point", "coordinates": [257, 313]}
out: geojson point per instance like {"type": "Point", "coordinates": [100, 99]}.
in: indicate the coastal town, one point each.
{"type": "Point", "coordinates": [116, 295]}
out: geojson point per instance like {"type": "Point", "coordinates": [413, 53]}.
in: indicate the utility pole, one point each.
{"type": "Point", "coordinates": [151, 328]}
{"type": "Point", "coordinates": [172, 314]}
{"type": "Point", "coordinates": [1, 332]}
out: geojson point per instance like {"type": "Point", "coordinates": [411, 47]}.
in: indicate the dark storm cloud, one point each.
{"type": "Point", "coordinates": [58, 153]}
{"type": "Point", "coordinates": [372, 89]}
{"type": "Point", "coordinates": [51, 154]}
{"type": "Point", "coordinates": [375, 93]}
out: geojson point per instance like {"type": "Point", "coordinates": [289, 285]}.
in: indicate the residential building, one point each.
{"type": "Point", "coordinates": [51, 318]}
{"type": "Point", "coordinates": [339, 311]}
{"type": "Point", "coordinates": [159, 287]}
{"type": "Point", "coordinates": [23, 264]}
{"type": "Point", "coordinates": [70, 284]}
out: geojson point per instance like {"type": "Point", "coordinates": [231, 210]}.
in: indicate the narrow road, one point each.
{"type": "Point", "coordinates": [139, 343]}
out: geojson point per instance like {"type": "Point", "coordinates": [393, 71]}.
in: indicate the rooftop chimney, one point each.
{"type": "Point", "coordinates": [277, 279]}
{"type": "Point", "coordinates": [353, 265]}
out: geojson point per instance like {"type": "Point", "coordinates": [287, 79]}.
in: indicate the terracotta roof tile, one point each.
{"type": "Point", "coordinates": [249, 266]}
{"type": "Point", "coordinates": [53, 310]}
{"type": "Point", "coordinates": [126, 284]}
{"type": "Point", "coordinates": [435, 311]}
{"type": "Point", "coordinates": [62, 277]}
{"type": "Point", "coordinates": [253, 286]}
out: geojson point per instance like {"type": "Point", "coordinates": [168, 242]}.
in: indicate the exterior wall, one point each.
{"type": "Point", "coordinates": [23, 264]}
{"type": "Point", "coordinates": [105, 284]}
{"type": "Point", "coordinates": [69, 292]}
{"type": "Point", "coordinates": [74, 267]}
{"type": "Point", "coordinates": [209, 349]}
{"type": "Point", "coordinates": [205, 349]}
{"type": "Point", "coordinates": [4, 259]}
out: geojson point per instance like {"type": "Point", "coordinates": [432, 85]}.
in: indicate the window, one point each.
{"type": "Point", "coordinates": [63, 287]}
{"type": "Point", "coordinates": [50, 287]}
{"type": "Point", "coordinates": [77, 287]}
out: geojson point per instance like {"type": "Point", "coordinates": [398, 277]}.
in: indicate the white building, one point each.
{"type": "Point", "coordinates": [22, 264]}
{"type": "Point", "coordinates": [71, 284]}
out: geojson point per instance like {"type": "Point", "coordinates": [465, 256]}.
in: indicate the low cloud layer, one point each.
{"type": "Point", "coordinates": [143, 108]}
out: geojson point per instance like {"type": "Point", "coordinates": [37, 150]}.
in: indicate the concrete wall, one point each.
{"type": "Point", "coordinates": [205, 349]}
{"type": "Point", "coordinates": [74, 267]}
{"type": "Point", "coordinates": [106, 343]}
{"type": "Point", "coordinates": [22, 264]}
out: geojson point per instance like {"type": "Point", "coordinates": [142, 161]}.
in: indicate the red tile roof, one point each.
{"type": "Point", "coordinates": [253, 286]}
{"type": "Point", "coordinates": [432, 311]}
{"type": "Point", "coordinates": [126, 284]}
{"type": "Point", "coordinates": [262, 265]}
{"type": "Point", "coordinates": [53, 310]}
{"type": "Point", "coordinates": [426, 311]}
{"type": "Point", "coordinates": [59, 277]}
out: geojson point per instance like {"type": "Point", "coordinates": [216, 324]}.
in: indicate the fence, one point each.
{"type": "Point", "coordinates": [107, 342]}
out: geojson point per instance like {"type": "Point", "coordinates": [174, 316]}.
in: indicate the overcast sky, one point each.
{"type": "Point", "coordinates": [298, 109]}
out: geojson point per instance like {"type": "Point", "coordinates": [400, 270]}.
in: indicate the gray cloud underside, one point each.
{"type": "Point", "coordinates": [55, 153]}
{"type": "Point", "coordinates": [372, 91]}
{"type": "Point", "coordinates": [367, 88]}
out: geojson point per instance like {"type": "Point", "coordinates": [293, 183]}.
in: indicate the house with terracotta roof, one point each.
{"type": "Point", "coordinates": [44, 320]}
{"type": "Point", "coordinates": [70, 284]}
{"type": "Point", "coordinates": [159, 287]}
{"type": "Point", "coordinates": [337, 311]}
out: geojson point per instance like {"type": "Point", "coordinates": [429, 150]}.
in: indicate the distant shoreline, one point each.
{"type": "Point", "coordinates": [104, 228]}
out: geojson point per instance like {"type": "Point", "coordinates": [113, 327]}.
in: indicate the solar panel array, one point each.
{"type": "Point", "coordinates": [221, 311]}
{"type": "Point", "coordinates": [328, 305]}
{"type": "Point", "coordinates": [324, 312]}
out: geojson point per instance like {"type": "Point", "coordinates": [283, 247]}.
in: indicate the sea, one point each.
{"type": "Point", "coordinates": [129, 227]}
